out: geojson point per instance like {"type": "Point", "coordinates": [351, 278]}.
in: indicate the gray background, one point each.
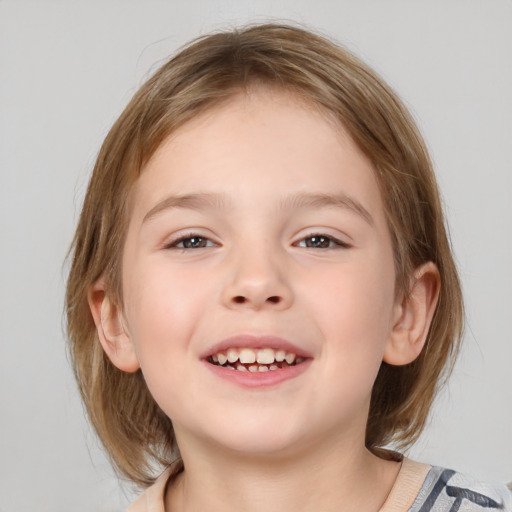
{"type": "Point", "coordinates": [67, 69]}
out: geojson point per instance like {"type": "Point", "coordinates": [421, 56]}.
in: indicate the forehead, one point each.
{"type": "Point", "coordinates": [261, 142]}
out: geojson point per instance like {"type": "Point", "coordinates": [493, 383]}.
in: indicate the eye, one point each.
{"type": "Point", "coordinates": [319, 241]}
{"type": "Point", "coordinates": [191, 242]}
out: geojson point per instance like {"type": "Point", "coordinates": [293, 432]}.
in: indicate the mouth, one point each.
{"type": "Point", "coordinates": [255, 360]}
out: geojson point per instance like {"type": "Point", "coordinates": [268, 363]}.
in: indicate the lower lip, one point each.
{"type": "Point", "coordinates": [259, 379]}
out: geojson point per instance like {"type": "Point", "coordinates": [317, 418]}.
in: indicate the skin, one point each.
{"type": "Point", "coordinates": [298, 445]}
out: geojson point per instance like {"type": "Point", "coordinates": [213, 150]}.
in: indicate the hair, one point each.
{"type": "Point", "coordinates": [134, 430]}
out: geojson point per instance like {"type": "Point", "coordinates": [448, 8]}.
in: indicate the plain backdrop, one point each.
{"type": "Point", "coordinates": [67, 68]}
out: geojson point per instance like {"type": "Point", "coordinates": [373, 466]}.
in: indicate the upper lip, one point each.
{"type": "Point", "coordinates": [255, 341]}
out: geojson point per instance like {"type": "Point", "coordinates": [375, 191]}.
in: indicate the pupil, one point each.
{"type": "Point", "coordinates": [317, 241]}
{"type": "Point", "coordinates": [195, 241]}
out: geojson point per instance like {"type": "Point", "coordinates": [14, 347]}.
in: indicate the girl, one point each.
{"type": "Point", "coordinates": [262, 294]}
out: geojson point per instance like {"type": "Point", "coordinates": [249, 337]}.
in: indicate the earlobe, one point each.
{"type": "Point", "coordinates": [111, 328]}
{"type": "Point", "coordinates": [413, 316]}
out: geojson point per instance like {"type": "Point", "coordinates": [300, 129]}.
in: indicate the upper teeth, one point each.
{"type": "Point", "coordinates": [249, 356]}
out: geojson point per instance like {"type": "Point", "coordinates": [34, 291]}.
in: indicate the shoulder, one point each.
{"type": "Point", "coordinates": [152, 500]}
{"type": "Point", "coordinates": [447, 490]}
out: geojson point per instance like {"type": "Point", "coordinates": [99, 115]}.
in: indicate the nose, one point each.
{"type": "Point", "coordinates": [257, 281]}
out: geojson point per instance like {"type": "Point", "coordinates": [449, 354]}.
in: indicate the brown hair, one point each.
{"type": "Point", "coordinates": [135, 432]}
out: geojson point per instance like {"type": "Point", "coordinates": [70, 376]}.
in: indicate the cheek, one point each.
{"type": "Point", "coordinates": [355, 314]}
{"type": "Point", "coordinates": [163, 310]}
{"type": "Point", "coordinates": [163, 307]}
{"type": "Point", "coordinates": [351, 306]}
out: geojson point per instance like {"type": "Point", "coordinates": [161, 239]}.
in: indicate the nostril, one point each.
{"type": "Point", "coordinates": [240, 299]}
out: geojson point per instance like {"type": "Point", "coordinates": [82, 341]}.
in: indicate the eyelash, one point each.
{"type": "Point", "coordinates": [331, 239]}
{"type": "Point", "coordinates": [190, 236]}
{"type": "Point", "coordinates": [174, 243]}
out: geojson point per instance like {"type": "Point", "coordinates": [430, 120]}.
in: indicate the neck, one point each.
{"type": "Point", "coordinates": [325, 479]}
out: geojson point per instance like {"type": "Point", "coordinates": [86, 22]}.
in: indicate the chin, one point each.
{"type": "Point", "coordinates": [257, 439]}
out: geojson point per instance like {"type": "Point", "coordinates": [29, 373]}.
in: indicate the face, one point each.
{"type": "Point", "coordinates": [258, 233]}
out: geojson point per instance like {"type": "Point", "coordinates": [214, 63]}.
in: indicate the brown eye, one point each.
{"type": "Point", "coordinates": [319, 242]}
{"type": "Point", "coordinates": [194, 242]}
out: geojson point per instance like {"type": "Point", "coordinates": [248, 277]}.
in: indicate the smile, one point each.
{"type": "Point", "coordinates": [254, 360]}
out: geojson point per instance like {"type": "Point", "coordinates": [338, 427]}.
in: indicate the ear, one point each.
{"type": "Point", "coordinates": [413, 315]}
{"type": "Point", "coordinates": [111, 327]}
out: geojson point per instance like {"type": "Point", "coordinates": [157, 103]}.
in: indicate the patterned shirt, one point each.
{"type": "Point", "coordinates": [418, 488]}
{"type": "Point", "coordinates": [446, 490]}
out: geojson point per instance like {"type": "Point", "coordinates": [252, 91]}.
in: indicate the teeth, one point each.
{"type": "Point", "coordinates": [232, 355]}
{"type": "Point", "coordinates": [265, 356]}
{"type": "Point", "coordinates": [280, 355]}
{"type": "Point", "coordinates": [247, 356]}
{"type": "Point", "coordinates": [289, 358]}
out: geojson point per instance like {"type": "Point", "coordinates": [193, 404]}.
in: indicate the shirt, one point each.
{"type": "Point", "coordinates": [418, 488]}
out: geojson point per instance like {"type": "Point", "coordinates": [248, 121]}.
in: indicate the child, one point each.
{"type": "Point", "coordinates": [262, 293]}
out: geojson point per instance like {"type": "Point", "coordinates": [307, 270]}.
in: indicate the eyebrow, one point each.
{"type": "Point", "coordinates": [189, 201]}
{"type": "Point", "coordinates": [314, 200]}
{"type": "Point", "coordinates": [202, 201]}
